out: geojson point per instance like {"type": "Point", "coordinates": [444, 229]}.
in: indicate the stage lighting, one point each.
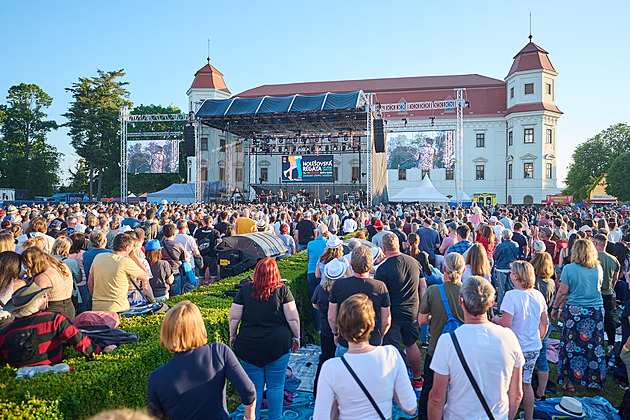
{"type": "Point", "coordinates": [345, 138]}
{"type": "Point", "coordinates": [295, 140]}
{"type": "Point", "coordinates": [432, 120]}
{"type": "Point", "coordinates": [280, 141]}
{"type": "Point", "coordinates": [329, 138]}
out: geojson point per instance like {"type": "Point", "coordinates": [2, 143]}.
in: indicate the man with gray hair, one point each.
{"type": "Point", "coordinates": [98, 240]}
{"type": "Point", "coordinates": [491, 352]}
{"type": "Point", "coordinates": [504, 255]}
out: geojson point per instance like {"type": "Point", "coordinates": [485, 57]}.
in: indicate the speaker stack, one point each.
{"type": "Point", "coordinates": [379, 136]}
{"type": "Point", "coordinates": [189, 139]}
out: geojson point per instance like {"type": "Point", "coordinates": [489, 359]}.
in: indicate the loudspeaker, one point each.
{"type": "Point", "coordinates": [379, 136]}
{"type": "Point", "coordinates": [189, 139]}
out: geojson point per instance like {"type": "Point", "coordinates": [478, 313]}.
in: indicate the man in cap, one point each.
{"type": "Point", "coordinates": [497, 227]}
{"type": "Point", "coordinates": [36, 335]}
{"type": "Point", "coordinates": [360, 282]}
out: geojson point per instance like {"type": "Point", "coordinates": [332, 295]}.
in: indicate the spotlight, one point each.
{"type": "Point", "coordinates": [432, 120]}
{"type": "Point", "coordinates": [280, 141]}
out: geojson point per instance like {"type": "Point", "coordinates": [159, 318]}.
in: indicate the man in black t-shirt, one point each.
{"type": "Point", "coordinates": [361, 282]}
{"type": "Point", "coordinates": [223, 224]}
{"type": "Point", "coordinates": [401, 275]}
{"type": "Point", "coordinates": [520, 239]}
{"type": "Point", "coordinates": [207, 238]}
{"type": "Point", "coordinates": [305, 231]}
{"type": "Point", "coordinates": [402, 237]}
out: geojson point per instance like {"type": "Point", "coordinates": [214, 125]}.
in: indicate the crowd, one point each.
{"type": "Point", "coordinates": [476, 287]}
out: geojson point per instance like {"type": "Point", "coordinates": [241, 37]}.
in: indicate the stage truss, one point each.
{"type": "Point", "coordinates": [125, 118]}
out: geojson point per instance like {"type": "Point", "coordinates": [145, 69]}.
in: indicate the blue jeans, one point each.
{"type": "Point", "coordinates": [541, 363]}
{"type": "Point", "coordinates": [176, 287]}
{"type": "Point", "coordinates": [273, 375]}
{"type": "Point", "coordinates": [424, 333]}
{"type": "Point", "coordinates": [86, 305]}
{"type": "Point", "coordinates": [301, 247]}
{"type": "Point", "coordinates": [340, 350]}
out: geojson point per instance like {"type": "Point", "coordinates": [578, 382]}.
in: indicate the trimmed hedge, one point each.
{"type": "Point", "coordinates": [119, 379]}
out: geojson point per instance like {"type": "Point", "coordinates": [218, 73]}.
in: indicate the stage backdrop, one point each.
{"type": "Point", "coordinates": [422, 150]}
{"type": "Point", "coordinates": [153, 156]}
{"type": "Point", "coordinates": [307, 168]}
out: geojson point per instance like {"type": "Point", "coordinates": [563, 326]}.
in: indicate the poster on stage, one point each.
{"type": "Point", "coordinates": [421, 150]}
{"type": "Point", "coordinates": [307, 168]}
{"type": "Point", "coordinates": [153, 157]}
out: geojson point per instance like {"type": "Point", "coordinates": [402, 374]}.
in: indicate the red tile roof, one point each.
{"type": "Point", "coordinates": [531, 57]}
{"type": "Point", "coordinates": [534, 106]}
{"type": "Point", "coordinates": [209, 77]}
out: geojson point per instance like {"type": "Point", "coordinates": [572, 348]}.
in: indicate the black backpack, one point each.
{"type": "Point", "coordinates": [150, 230]}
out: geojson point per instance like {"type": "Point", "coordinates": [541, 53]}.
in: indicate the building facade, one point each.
{"type": "Point", "coordinates": [509, 139]}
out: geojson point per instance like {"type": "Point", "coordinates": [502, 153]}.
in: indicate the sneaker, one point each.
{"type": "Point", "coordinates": [623, 386]}
{"type": "Point", "coordinates": [425, 345]}
{"type": "Point", "coordinates": [417, 384]}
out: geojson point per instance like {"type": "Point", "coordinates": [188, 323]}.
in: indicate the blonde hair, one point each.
{"type": "Point", "coordinates": [356, 318]}
{"type": "Point", "coordinates": [331, 254]}
{"type": "Point", "coordinates": [454, 266]}
{"type": "Point", "coordinates": [327, 283]}
{"type": "Point", "coordinates": [36, 241]}
{"type": "Point", "coordinates": [7, 242]}
{"type": "Point", "coordinates": [543, 264]}
{"type": "Point", "coordinates": [37, 261]}
{"type": "Point", "coordinates": [524, 272]}
{"type": "Point", "coordinates": [477, 259]}
{"type": "Point", "coordinates": [183, 328]}
{"type": "Point", "coordinates": [584, 253]}
{"type": "Point", "coordinates": [61, 246]}
{"type": "Point", "coordinates": [122, 414]}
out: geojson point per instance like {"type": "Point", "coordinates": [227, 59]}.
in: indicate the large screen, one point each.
{"type": "Point", "coordinates": [153, 157]}
{"type": "Point", "coordinates": [422, 150]}
{"type": "Point", "coordinates": [307, 168]}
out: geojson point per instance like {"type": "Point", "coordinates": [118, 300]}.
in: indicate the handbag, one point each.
{"type": "Point", "coordinates": [473, 382]}
{"type": "Point", "coordinates": [365, 391]}
{"type": "Point", "coordinates": [188, 273]}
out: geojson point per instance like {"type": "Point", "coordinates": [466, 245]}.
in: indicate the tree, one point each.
{"type": "Point", "coordinates": [93, 122]}
{"type": "Point", "coordinates": [144, 182]}
{"type": "Point", "coordinates": [23, 147]}
{"type": "Point", "coordinates": [592, 159]}
{"type": "Point", "coordinates": [618, 177]}
{"type": "Point", "coordinates": [78, 178]}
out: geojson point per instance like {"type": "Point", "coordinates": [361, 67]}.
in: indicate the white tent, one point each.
{"type": "Point", "coordinates": [465, 198]}
{"type": "Point", "coordinates": [182, 193]}
{"type": "Point", "coordinates": [425, 193]}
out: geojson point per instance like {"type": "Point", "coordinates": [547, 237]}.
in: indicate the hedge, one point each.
{"type": "Point", "coordinates": [119, 379]}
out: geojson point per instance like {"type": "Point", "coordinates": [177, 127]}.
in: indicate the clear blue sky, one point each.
{"type": "Point", "coordinates": [161, 44]}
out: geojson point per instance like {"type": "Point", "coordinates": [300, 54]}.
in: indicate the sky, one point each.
{"type": "Point", "coordinates": [161, 44]}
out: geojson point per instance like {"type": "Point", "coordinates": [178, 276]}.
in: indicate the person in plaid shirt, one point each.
{"type": "Point", "coordinates": [462, 244]}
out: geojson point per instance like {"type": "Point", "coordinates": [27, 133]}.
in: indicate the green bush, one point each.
{"type": "Point", "coordinates": [119, 379]}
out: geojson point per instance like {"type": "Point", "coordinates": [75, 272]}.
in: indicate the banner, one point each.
{"type": "Point", "coordinates": [153, 157]}
{"type": "Point", "coordinates": [559, 199]}
{"type": "Point", "coordinates": [310, 168]}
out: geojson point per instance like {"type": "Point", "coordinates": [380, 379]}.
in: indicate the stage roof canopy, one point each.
{"type": "Point", "coordinates": [307, 114]}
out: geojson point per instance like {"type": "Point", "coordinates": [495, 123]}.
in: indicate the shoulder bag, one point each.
{"type": "Point", "coordinates": [365, 391]}
{"type": "Point", "coordinates": [473, 382]}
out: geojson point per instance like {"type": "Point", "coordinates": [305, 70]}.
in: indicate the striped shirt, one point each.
{"type": "Point", "coordinates": [37, 340]}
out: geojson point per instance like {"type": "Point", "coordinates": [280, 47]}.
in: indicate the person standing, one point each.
{"type": "Point", "coordinates": [433, 312]}
{"type": "Point", "coordinates": [504, 255]}
{"type": "Point", "coordinates": [610, 268]}
{"type": "Point", "coordinates": [401, 275]}
{"type": "Point", "coordinates": [314, 251]}
{"type": "Point", "coordinates": [492, 354]}
{"type": "Point", "coordinates": [305, 231]}
{"type": "Point", "coordinates": [207, 239]}
{"type": "Point", "coordinates": [429, 240]}
{"type": "Point", "coordinates": [175, 254]}
{"type": "Point", "coordinates": [462, 244]}
{"type": "Point", "coordinates": [244, 224]}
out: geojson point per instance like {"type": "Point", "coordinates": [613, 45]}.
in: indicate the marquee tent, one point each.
{"type": "Point", "coordinates": [182, 193]}
{"type": "Point", "coordinates": [425, 193]}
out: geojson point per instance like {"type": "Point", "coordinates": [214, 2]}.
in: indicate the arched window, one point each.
{"type": "Point", "coordinates": [528, 199]}
{"type": "Point", "coordinates": [509, 199]}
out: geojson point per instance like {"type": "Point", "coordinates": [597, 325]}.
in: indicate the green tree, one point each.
{"type": "Point", "coordinates": [618, 177]}
{"type": "Point", "coordinates": [79, 182]}
{"type": "Point", "coordinates": [141, 183]}
{"type": "Point", "coordinates": [94, 127]}
{"type": "Point", "coordinates": [27, 161]}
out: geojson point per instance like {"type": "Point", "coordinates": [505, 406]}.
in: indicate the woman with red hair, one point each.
{"type": "Point", "coordinates": [269, 329]}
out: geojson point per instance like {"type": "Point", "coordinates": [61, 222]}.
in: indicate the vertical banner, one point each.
{"type": "Point", "coordinates": [310, 168]}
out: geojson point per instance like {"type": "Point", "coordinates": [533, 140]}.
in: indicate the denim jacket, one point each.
{"type": "Point", "coordinates": [505, 254]}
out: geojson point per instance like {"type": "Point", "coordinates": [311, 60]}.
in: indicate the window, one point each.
{"type": "Point", "coordinates": [204, 143]}
{"type": "Point", "coordinates": [528, 170]}
{"type": "Point", "coordinates": [264, 174]}
{"type": "Point", "coordinates": [481, 140]}
{"type": "Point", "coordinates": [511, 93]}
{"type": "Point", "coordinates": [528, 199]}
{"type": "Point", "coordinates": [450, 174]}
{"type": "Point", "coordinates": [529, 135]}
{"type": "Point", "coordinates": [548, 88]}
{"type": "Point", "coordinates": [426, 172]}
{"type": "Point", "coordinates": [204, 174]}
{"type": "Point", "coordinates": [529, 88]}
{"type": "Point", "coordinates": [549, 170]}
{"type": "Point", "coordinates": [239, 147]}
{"type": "Point", "coordinates": [480, 173]}
{"type": "Point", "coordinates": [509, 171]}
{"type": "Point", "coordinates": [222, 174]}
{"type": "Point", "coordinates": [402, 174]}
{"type": "Point", "coordinates": [510, 138]}
{"type": "Point", "coordinates": [355, 174]}
{"type": "Point", "coordinates": [336, 173]}
{"type": "Point", "coordinates": [239, 174]}
{"type": "Point", "coordinates": [222, 145]}
{"type": "Point", "coordinates": [549, 135]}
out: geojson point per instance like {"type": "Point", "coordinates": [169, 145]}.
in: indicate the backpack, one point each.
{"type": "Point", "coordinates": [452, 323]}
{"type": "Point", "coordinates": [206, 245]}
